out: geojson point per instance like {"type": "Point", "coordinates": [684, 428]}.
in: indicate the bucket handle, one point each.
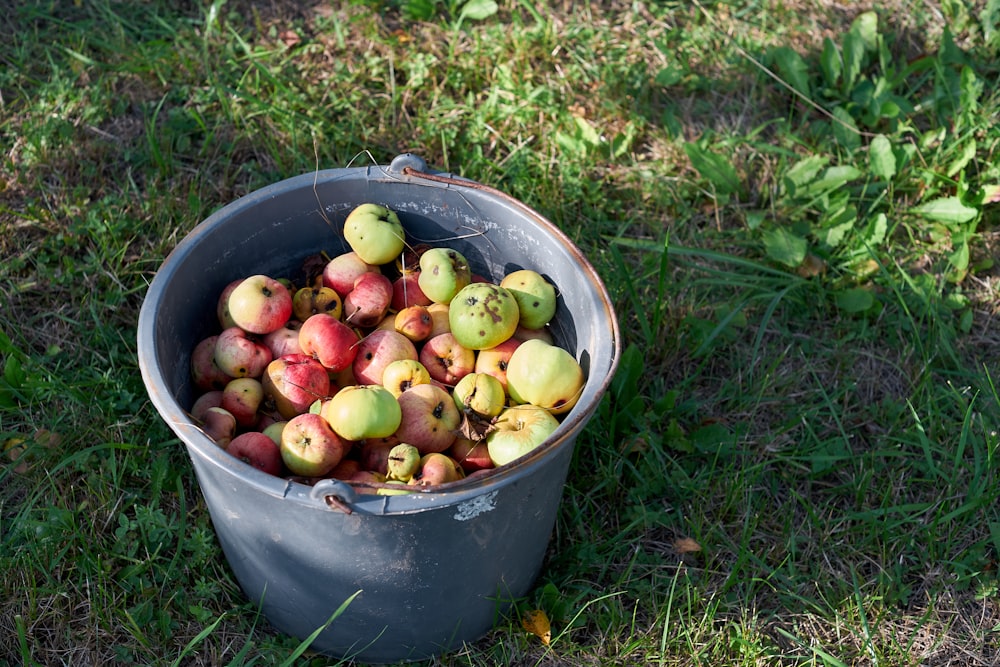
{"type": "Point", "coordinates": [336, 494]}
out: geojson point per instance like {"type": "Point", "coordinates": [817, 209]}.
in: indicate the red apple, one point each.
{"type": "Point", "coordinates": [243, 397]}
{"type": "Point", "coordinates": [240, 354]}
{"type": "Point", "coordinates": [260, 304]}
{"type": "Point", "coordinates": [210, 399]}
{"type": "Point", "coordinates": [437, 468]}
{"type": "Point", "coordinates": [220, 425]}
{"type": "Point", "coordinates": [285, 340]}
{"type": "Point", "coordinates": [258, 450]}
{"type": "Point", "coordinates": [374, 454]}
{"type": "Point", "coordinates": [341, 272]}
{"type": "Point", "coordinates": [309, 446]}
{"type": "Point", "coordinates": [471, 455]}
{"type": "Point", "coordinates": [446, 360]}
{"type": "Point", "coordinates": [295, 382]}
{"type": "Point", "coordinates": [406, 292]}
{"type": "Point", "coordinates": [430, 418]}
{"type": "Point", "coordinates": [205, 373]}
{"type": "Point", "coordinates": [368, 302]}
{"type": "Point", "coordinates": [414, 322]}
{"type": "Point", "coordinates": [376, 351]}
{"type": "Point", "coordinates": [494, 360]}
{"type": "Point", "coordinates": [330, 341]}
{"type": "Point", "coordinates": [222, 305]}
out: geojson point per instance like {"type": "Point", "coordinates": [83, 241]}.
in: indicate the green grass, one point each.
{"type": "Point", "coordinates": [794, 207]}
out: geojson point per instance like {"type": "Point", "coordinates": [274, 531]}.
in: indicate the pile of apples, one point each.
{"type": "Point", "coordinates": [392, 367]}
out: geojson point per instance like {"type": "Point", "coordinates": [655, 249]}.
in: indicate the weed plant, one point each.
{"type": "Point", "coordinates": [794, 206]}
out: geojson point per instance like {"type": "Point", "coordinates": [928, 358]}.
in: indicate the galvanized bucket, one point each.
{"type": "Point", "coordinates": [424, 572]}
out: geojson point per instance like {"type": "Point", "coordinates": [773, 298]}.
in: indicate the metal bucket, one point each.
{"type": "Point", "coordinates": [430, 570]}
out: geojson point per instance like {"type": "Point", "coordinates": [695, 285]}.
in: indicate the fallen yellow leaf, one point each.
{"type": "Point", "coordinates": [685, 545]}
{"type": "Point", "coordinates": [537, 623]}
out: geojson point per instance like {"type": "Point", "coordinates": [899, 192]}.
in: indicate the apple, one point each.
{"type": "Point", "coordinates": [309, 445]}
{"type": "Point", "coordinates": [472, 455]}
{"type": "Point", "coordinates": [240, 354]}
{"type": "Point", "coordinates": [408, 261]}
{"type": "Point", "coordinates": [295, 382]}
{"type": "Point", "coordinates": [243, 397]}
{"type": "Point", "coordinates": [402, 374]}
{"type": "Point", "coordinates": [365, 481]}
{"type": "Point", "coordinates": [273, 431]}
{"type": "Point", "coordinates": [446, 359]}
{"type": "Point", "coordinates": [523, 333]}
{"type": "Point", "coordinates": [345, 470]}
{"type": "Point", "coordinates": [429, 418]}
{"type": "Point", "coordinates": [258, 450]}
{"type": "Point", "coordinates": [219, 424]}
{"type": "Point", "coordinates": [437, 468]}
{"type": "Point", "coordinates": [414, 322]}
{"type": "Point", "coordinates": [374, 233]}
{"type": "Point", "coordinates": [439, 319]}
{"type": "Point", "coordinates": [330, 341]}
{"type": "Point", "coordinates": [517, 431]}
{"type": "Point", "coordinates": [308, 301]}
{"type": "Point", "coordinates": [209, 399]}
{"type": "Point", "coordinates": [341, 272]}
{"type": "Point", "coordinates": [260, 304]}
{"type": "Point", "coordinates": [377, 350]}
{"type": "Point", "coordinates": [483, 315]}
{"type": "Point", "coordinates": [284, 340]}
{"type": "Point", "coordinates": [362, 411]}
{"type": "Point", "coordinates": [443, 272]}
{"type": "Point", "coordinates": [222, 305]}
{"type": "Point", "coordinates": [535, 296]}
{"type": "Point", "coordinates": [493, 361]}
{"type": "Point", "coordinates": [205, 372]}
{"type": "Point", "coordinates": [406, 292]}
{"type": "Point", "coordinates": [368, 301]}
{"type": "Point", "coordinates": [480, 393]}
{"type": "Point", "coordinates": [374, 455]}
{"type": "Point", "coordinates": [393, 490]}
{"type": "Point", "coordinates": [544, 375]}
{"type": "Point", "coordinates": [402, 462]}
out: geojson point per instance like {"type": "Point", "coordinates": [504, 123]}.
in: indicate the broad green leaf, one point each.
{"type": "Point", "coordinates": [865, 26]}
{"type": "Point", "coordinates": [845, 130]}
{"type": "Point", "coordinates": [837, 225]}
{"type": "Point", "coordinates": [13, 372]}
{"type": "Point", "coordinates": [854, 300]}
{"type": "Point", "coordinates": [793, 68]}
{"type": "Point", "coordinates": [881, 158]}
{"type": "Point", "coordinates": [718, 170]}
{"type": "Point", "coordinates": [830, 63]}
{"type": "Point", "coordinates": [949, 210]}
{"type": "Point", "coordinates": [831, 178]}
{"type": "Point", "coordinates": [877, 230]}
{"type": "Point", "coordinates": [963, 158]}
{"type": "Point", "coordinates": [477, 10]}
{"type": "Point", "coordinates": [785, 247]}
{"type": "Point", "coordinates": [803, 171]}
{"type": "Point", "coordinates": [854, 55]}
{"type": "Point", "coordinates": [959, 257]}
{"type": "Point", "coordinates": [586, 131]}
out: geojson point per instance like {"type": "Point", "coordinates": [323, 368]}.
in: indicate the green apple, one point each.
{"type": "Point", "coordinates": [480, 393]}
{"type": "Point", "coordinates": [403, 461]}
{"type": "Point", "coordinates": [517, 431]}
{"type": "Point", "coordinates": [374, 233]}
{"type": "Point", "coordinates": [483, 315]}
{"type": "Point", "coordinates": [443, 272]}
{"type": "Point", "coordinates": [544, 375]}
{"type": "Point", "coordinates": [362, 411]}
{"type": "Point", "coordinates": [536, 297]}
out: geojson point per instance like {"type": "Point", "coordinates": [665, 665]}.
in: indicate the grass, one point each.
{"type": "Point", "coordinates": [792, 204]}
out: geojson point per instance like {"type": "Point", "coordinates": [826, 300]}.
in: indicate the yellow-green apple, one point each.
{"type": "Point", "coordinates": [258, 450]}
{"type": "Point", "coordinates": [402, 462]}
{"type": "Point", "coordinates": [402, 374]}
{"type": "Point", "coordinates": [406, 292]}
{"type": "Point", "coordinates": [205, 372]}
{"type": "Point", "coordinates": [524, 333]}
{"type": "Point", "coordinates": [309, 446]}
{"type": "Point", "coordinates": [480, 393]}
{"type": "Point", "coordinates": [222, 305]}
{"type": "Point", "coordinates": [273, 430]}
{"type": "Point", "coordinates": [443, 272]}
{"type": "Point", "coordinates": [240, 354]}
{"type": "Point", "coordinates": [260, 304]}
{"type": "Point", "coordinates": [493, 361]}
{"type": "Point", "coordinates": [294, 382]}
{"type": "Point", "coordinates": [284, 340]}
{"type": "Point", "coordinates": [429, 418]}
{"type": "Point", "coordinates": [447, 360]}
{"type": "Point", "coordinates": [330, 341]}
{"type": "Point", "coordinates": [219, 424]}
{"type": "Point", "coordinates": [437, 468]}
{"type": "Point", "coordinates": [374, 232]}
{"type": "Point", "coordinates": [243, 397]}
{"type": "Point", "coordinates": [439, 319]}
{"type": "Point", "coordinates": [472, 455]}
{"type": "Point", "coordinates": [536, 297]}
{"type": "Point", "coordinates": [368, 301]}
{"type": "Point", "coordinates": [414, 322]}
{"type": "Point", "coordinates": [377, 350]}
{"type": "Point", "coordinates": [209, 399]}
{"type": "Point", "coordinates": [397, 488]}
{"type": "Point", "coordinates": [341, 272]}
{"type": "Point", "coordinates": [544, 375]}
{"type": "Point", "coordinates": [362, 411]}
{"type": "Point", "coordinates": [518, 430]}
{"type": "Point", "coordinates": [482, 315]}
{"type": "Point", "coordinates": [308, 301]}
